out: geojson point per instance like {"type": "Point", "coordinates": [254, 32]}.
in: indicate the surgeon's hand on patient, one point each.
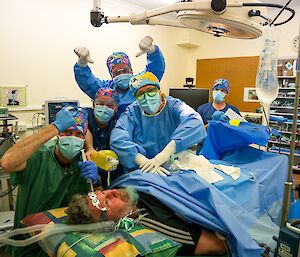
{"type": "Point", "coordinates": [64, 120]}
{"type": "Point", "coordinates": [146, 46]}
{"type": "Point", "coordinates": [143, 163]}
{"type": "Point", "coordinates": [89, 170]}
{"type": "Point", "coordinates": [83, 56]}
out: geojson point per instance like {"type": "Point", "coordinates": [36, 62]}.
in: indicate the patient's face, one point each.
{"type": "Point", "coordinates": [115, 201]}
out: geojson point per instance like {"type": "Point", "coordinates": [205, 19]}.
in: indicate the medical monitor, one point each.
{"type": "Point", "coordinates": [194, 97]}
{"type": "Point", "coordinates": [54, 106]}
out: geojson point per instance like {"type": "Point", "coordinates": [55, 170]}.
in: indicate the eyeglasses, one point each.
{"type": "Point", "coordinates": [140, 95]}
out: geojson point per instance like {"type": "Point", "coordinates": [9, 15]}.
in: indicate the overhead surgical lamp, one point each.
{"type": "Point", "coordinates": [230, 18]}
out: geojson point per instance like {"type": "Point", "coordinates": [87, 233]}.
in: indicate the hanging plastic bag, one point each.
{"type": "Point", "coordinates": [266, 77]}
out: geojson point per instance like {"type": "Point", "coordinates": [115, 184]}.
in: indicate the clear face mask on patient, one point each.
{"type": "Point", "coordinates": [218, 96]}
{"type": "Point", "coordinates": [70, 146]}
{"type": "Point", "coordinates": [122, 81]}
{"type": "Point", "coordinates": [150, 104]}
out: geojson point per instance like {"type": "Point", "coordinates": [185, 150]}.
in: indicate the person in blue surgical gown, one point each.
{"type": "Point", "coordinates": [120, 69]}
{"type": "Point", "coordinates": [154, 127]}
{"type": "Point", "coordinates": [218, 106]}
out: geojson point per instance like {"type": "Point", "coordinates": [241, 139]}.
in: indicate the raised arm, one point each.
{"type": "Point", "coordinates": [84, 77]}
{"type": "Point", "coordinates": [16, 157]}
{"type": "Point", "coordinates": [155, 58]}
{"type": "Point", "coordinates": [156, 63]}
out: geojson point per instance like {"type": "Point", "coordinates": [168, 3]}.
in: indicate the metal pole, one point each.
{"type": "Point", "coordinates": [289, 183]}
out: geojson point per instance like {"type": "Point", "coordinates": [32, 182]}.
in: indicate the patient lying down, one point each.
{"type": "Point", "coordinates": [118, 203]}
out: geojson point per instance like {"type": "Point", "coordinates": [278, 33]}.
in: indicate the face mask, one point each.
{"type": "Point", "coordinates": [218, 96]}
{"type": "Point", "coordinates": [103, 114]}
{"type": "Point", "coordinates": [122, 81]}
{"type": "Point", "coordinates": [70, 146]}
{"type": "Point", "coordinates": [150, 104]}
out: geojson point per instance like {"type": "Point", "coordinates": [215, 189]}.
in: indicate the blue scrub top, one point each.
{"type": "Point", "coordinates": [90, 84]}
{"type": "Point", "coordinates": [207, 110]}
{"type": "Point", "coordinates": [100, 135]}
{"type": "Point", "coordinates": [148, 135]}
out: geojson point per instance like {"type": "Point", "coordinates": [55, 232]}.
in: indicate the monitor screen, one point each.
{"type": "Point", "coordinates": [193, 97]}
{"type": "Point", "coordinates": [54, 106]}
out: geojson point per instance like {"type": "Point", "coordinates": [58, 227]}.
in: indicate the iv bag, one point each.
{"type": "Point", "coordinates": [266, 77]}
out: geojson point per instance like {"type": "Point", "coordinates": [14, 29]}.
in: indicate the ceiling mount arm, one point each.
{"type": "Point", "coordinates": [274, 6]}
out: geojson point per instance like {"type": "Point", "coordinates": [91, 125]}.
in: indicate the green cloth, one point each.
{"type": "Point", "coordinates": [44, 185]}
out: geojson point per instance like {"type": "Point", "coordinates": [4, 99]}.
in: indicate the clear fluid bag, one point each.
{"type": "Point", "coordinates": [266, 78]}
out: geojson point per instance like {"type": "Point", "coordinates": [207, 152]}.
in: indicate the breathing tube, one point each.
{"type": "Point", "coordinates": [51, 229]}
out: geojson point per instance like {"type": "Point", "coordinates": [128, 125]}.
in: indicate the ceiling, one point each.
{"type": "Point", "coordinates": [159, 3]}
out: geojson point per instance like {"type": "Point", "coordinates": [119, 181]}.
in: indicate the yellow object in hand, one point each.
{"type": "Point", "coordinates": [234, 122]}
{"type": "Point", "coordinates": [105, 159]}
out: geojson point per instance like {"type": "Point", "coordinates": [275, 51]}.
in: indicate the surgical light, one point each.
{"type": "Point", "coordinates": [231, 18]}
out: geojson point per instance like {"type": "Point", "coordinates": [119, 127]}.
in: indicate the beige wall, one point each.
{"type": "Point", "coordinates": [38, 37]}
{"type": "Point", "coordinates": [210, 47]}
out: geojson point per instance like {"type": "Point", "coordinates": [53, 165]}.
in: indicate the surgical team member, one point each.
{"type": "Point", "coordinates": [101, 120]}
{"type": "Point", "coordinates": [220, 90]}
{"type": "Point", "coordinates": [154, 127]}
{"type": "Point", "coordinates": [120, 69]}
{"type": "Point", "coordinates": [47, 173]}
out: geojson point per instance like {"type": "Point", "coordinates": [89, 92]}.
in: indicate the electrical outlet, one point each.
{"type": "Point", "coordinates": [22, 127]}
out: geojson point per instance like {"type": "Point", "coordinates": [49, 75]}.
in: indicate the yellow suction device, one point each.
{"type": "Point", "coordinates": [106, 160]}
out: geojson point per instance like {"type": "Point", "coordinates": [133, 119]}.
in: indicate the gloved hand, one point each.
{"type": "Point", "coordinates": [221, 116]}
{"type": "Point", "coordinates": [146, 46]}
{"type": "Point", "coordinates": [140, 159]}
{"type": "Point", "coordinates": [154, 164]}
{"type": "Point", "coordinates": [64, 120]}
{"type": "Point", "coordinates": [89, 170]}
{"type": "Point", "coordinates": [83, 56]}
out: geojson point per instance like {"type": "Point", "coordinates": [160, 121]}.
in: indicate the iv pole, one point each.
{"type": "Point", "coordinates": [289, 183]}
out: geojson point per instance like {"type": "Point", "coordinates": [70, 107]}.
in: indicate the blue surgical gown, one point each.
{"type": "Point", "coordinates": [207, 110]}
{"type": "Point", "coordinates": [89, 84]}
{"type": "Point", "coordinates": [136, 133]}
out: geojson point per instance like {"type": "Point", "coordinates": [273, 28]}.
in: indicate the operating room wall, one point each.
{"type": "Point", "coordinates": [212, 47]}
{"type": "Point", "coordinates": [38, 37]}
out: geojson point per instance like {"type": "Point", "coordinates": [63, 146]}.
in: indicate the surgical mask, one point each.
{"type": "Point", "coordinates": [70, 146]}
{"type": "Point", "coordinates": [150, 104]}
{"type": "Point", "coordinates": [218, 96]}
{"type": "Point", "coordinates": [103, 114]}
{"type": "Point", "coordinates": [122, 81]}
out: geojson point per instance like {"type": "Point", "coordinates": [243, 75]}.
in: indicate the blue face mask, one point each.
{"type": "Point", "coordinates": [150, 104]}
{"type": "Point", "coordinates": [70, 146]}
{"type": "Point", "coordinates": [103, 114]}
{"type": "Point", "coordinates": [122, 81]}
{"type": "Point", "coordinates": [218, 96]}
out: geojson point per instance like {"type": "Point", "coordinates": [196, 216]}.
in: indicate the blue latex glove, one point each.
{"type": "Point", "coordinates": [64, 120]}
{"type": "Point", "coordinates": [89, 170]}
{"type": "Point", "coordinates": [221, 116]}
